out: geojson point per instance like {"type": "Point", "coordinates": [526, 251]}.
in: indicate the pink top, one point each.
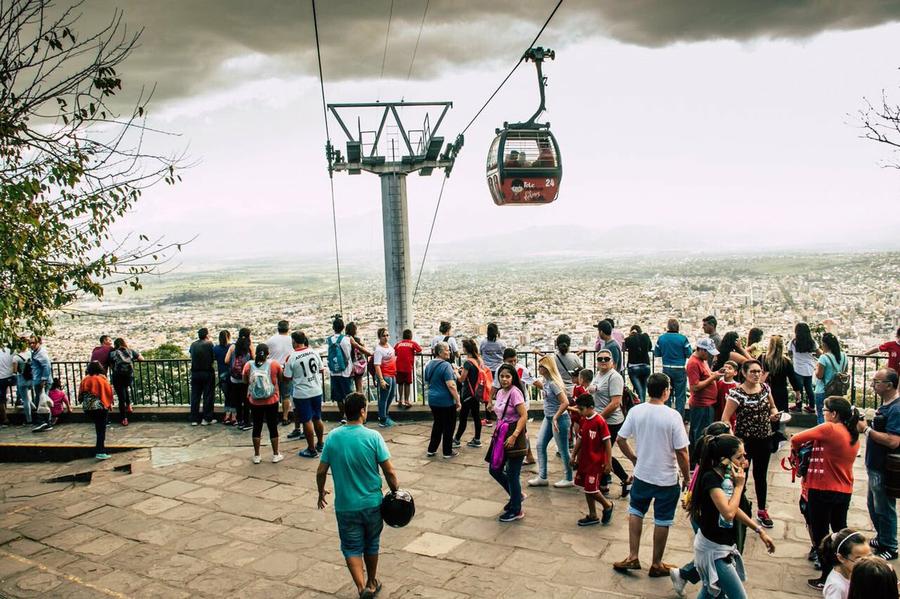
{"type": "Point", "coordinates": [512, 396]}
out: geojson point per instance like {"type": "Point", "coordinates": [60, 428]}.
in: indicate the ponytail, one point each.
{"type": "Point", "coordinates": [839, 544]}
{"type": "Point", "coordinates": [848, 415]}
{"type": "Point", "coordinates": [714, 449]}
{"type": "Point", "coordinates": [262, 354]}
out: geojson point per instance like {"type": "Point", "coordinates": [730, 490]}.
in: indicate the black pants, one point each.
{"type": "Point", "coordinates": [237, 393]}
{"type": "Point", "coordinates": [826, 509]}
{"type": "Point", "coordinates": [122, 385]}
{"type": "Point", "coordinates": [469, 406]}
{"type": "Point", "coordinates": [203, 387]}
{"type": "Point", "coordinates": [759, 451]}
{"type": "Point", "coordinates": [99, 418]}
{"type": "Point", "coordinates": [616, 466]}
{"type": "Point", "coordinates": [268, 414]}
{"type": "Point", "coordinates": [442, 429]}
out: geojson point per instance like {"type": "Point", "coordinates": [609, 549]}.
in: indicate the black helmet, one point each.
{"type": "Point", "coordinates": [398, 508]}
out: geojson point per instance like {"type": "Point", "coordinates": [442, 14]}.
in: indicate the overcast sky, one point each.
{"type": "Point", "coordinates": [705, 124]}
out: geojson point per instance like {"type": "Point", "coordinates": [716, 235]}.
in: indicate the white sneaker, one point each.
{"type": "Point", "coordinates": [257, 459]}
{"type": "Point", "coordinates": [563, 484]}
{"type": "Point", "coordinates": [677, 581]}
{"type": "Point", "coordinates": [537, 481]}
{"type": "Point", "coordinates": [277, 458]}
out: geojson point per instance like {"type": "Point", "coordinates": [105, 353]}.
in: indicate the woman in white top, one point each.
{"type": "Point", "coordinates": [843, 548]}
{"type": "Point", "coordinates": [803, 352]}
{"type": "Point", "coordinates": [385, 361]}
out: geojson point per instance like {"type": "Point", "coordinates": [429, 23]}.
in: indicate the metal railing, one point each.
{"type": "Point", "coordinates": [167, 382]}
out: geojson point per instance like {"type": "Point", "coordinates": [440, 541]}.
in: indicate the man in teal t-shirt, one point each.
{"type": "Point", "coordinates": [354, 454]}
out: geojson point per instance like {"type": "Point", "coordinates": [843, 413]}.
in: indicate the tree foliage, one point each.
{"type": "Point", "coordinates": [70, 164]}
{"type": "Point", "coordinates": [881, 123]}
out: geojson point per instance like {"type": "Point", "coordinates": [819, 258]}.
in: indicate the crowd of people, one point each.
{"type": "Point", "coordinates": [696, 431]}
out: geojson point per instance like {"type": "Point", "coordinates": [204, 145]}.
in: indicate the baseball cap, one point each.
{"type": "Point", "coordinates": [709, 345]}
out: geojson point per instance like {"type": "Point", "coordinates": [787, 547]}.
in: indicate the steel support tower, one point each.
{"type": "Point", "coordinates": [420, 152]}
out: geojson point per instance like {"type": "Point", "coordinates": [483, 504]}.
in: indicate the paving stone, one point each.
{"type": "Point", "coordinates": [88, 570]}
{"type": "Point", "coordinates": [125, 498]}
{"type": "Point", "coordinates": [251, 486]}
{"type": "Point", "coordinates": [185, 512]}
{"type": "Point", "coordinates": [72, 537]}
{"type": "Point", "coordinates": [219, 479]}
{"type": "Point", "coordinates": [158, 590]}
{"type": "Point", "coordinates": [10, 566]}
{"type": "Point", "coordinates": [32, 584]}
{"type": "Point", "coordinates": [281, 564]}
{"type": "Point", "coordinates": [123, 582]}
{"type": "Point", "coordinates": [155, 505]}
{"type": "Point", "coordinates": [30, 490]}
{"type": "Point", "coordinates": [41, 528]}
{"type": "Point", "coordinates": [238, 554]}
{"type": "Point", "coordinates": [178, 569]}
{"type": "Point", "coordinates": [324, 577]}
{"type": "Point", "coordinates": [24, 547]}
{"type": "Point", "coordinates": [218, 581]}
{"type": "Point", "coordinates": [102, 546]}
{"type": "Point", "coordinates": [271, 589]}
{"type": "Point", "coordinates": [54, 558]}
{"type": "Point", "coordinates": [7, 535]}
{"type": "Point", "coordinates": [173, 488]}
{"type": "Point", "coordinates": [433, 544]}
{"type": "Point", "coordinates": [480, 508]}
{"type": "Point", "coordinates": [418, 591]}
{"type": "Point", "coordinates": [144, 481]}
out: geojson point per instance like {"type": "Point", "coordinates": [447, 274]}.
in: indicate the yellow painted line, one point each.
{"type": "Point", "coordinates": [69, 577]}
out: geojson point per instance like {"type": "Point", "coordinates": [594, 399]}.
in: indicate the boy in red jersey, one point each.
{"type": "Point", "coordinates": [405, 351]}
{"type": "Point", "coordinates": [723, 386]}
{"type": "Point", "coordinates": [591, 459]}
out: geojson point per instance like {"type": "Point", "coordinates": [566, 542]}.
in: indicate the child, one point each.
{"type": "Point", "coordinates": [842, 549]}
{"type": "Point", "coordinates": [585, 377]}
{"type": "Point", "coordinates": [406, 351]}
{"type": "Point", "coordinates": [59, 399]}
{"type": "Point", "coordinates": [723, 386]}
{"type": "Point", "coordinates": [43, 414]}
{"type": "Point", "coordinates": [592, 458]}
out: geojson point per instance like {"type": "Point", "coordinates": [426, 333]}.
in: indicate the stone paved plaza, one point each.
{"type": "Point", "coordinates": [195, 518]}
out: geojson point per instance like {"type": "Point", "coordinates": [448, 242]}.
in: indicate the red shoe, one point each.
{"type": "Point", "coordinates": [130, 409]}
{"type": "Point", "coordinates": [124, 421]}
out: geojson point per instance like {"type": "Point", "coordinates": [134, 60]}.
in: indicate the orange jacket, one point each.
{"type": "Point", "coordinates": [98, 385]}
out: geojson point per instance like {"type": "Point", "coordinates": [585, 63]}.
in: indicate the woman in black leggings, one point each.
{"type": "Point", "coordinates": [755, 408]}
{"type": "Point", "coordinates": [262, 376]}
{"type": "Point", "coordinates": [468, 379]}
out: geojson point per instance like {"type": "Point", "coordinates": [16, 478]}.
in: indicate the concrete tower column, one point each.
{"type": "Point", "coordinates": [397, 272]}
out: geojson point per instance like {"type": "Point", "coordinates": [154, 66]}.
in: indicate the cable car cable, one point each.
{"type": "Point", "coordinates": [428, 243]}
{"type": "Point", "coordinates": [418, 37]}
{"type": "Point", "coordinates": [337, 257]}
{"type": "Point", "coordinates": [521, 59]}
{"type": "Point", "coordinates": [387, 36]}
{"type": "Point", "coordinates": [480, 110]}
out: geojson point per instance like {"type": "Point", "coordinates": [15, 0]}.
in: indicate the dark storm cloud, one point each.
{"type": "Point", "coordinates": [186, 42]}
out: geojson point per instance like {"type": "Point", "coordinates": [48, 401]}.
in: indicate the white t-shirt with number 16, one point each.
{"type": "Point", "coordinates": [304, 368]}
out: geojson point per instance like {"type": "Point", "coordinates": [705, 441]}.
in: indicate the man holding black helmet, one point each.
{"type": "Point", "coordinates": [354, 453]}
{"type": "Point", "coordinates": [882, 437]}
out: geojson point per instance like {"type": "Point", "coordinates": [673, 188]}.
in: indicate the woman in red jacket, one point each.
{"type": "Point", "coordinates": [96, 397]}
{"type": "Point", "coordinates": [830, 476]}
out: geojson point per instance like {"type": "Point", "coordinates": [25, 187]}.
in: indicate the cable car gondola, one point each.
{"type": "Point", "coordinates": [524, 166]}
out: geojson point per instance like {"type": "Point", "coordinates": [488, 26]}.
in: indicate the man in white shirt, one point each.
{"type": "Point", "coordinates": [7, 380]}
{"type": "Point", "coordinates": [659, 433]}
{"type": "Point", "coordinates": [280, 349]}
{"type": "Point", "coordinates": [304, 370]}
{"type": "Point", "coordinates": [340, 380]}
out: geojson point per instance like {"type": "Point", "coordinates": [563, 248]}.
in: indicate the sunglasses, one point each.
{"type": "Point", "coordinates": [604, 359]}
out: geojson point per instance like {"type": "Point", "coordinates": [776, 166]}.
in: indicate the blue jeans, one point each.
{"type": "Point", "coordinates": [679, 386]}
{"type": "Point", "coordinates": [386, 397]}
{"type": "Point", "coordinates": [562, 444]}
{"type": "Point", "coordinates": [508, 475]}
{"type": "Point", "coordinates": [806, 388]}
{"type": "Point", "coordinates": [638, 374]}
{"type": "Point", "coordinates": [820, 408]}
{"type": "Point", "coordinates": [700, 419]}
{"type": "Point", "coordinates": [882, 511]}
{"type": "Point", "coordinates": [729, 583]}
{"type": "Point", "coordinates": [23, 392]}
{"type": "Point", "coordinates": [360, 531]}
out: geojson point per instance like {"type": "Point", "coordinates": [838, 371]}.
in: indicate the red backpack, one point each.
{"type": "Point", "coordinates": [482, 388]}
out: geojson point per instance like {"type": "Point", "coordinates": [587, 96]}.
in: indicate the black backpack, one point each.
{"type": "Point", "coordinates": [122, 364]}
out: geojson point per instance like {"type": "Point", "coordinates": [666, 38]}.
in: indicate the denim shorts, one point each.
{"type": "Point", "coordinates": [665, 500]}
{"type": "Point", "coordinates": [308, 408]}
{"type": "Point", "coordinates": [360, 531]}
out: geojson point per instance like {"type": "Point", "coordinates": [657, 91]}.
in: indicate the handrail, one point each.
{"type": "Point", "coordinates": [166, 382]}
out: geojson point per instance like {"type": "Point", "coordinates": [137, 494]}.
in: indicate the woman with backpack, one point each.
{"type": "Point", "coordinates": [261, 377]}
{"type": "Point", "coordinates": [567, 363]}
{"type": "Point", "coordinates": [96, 396]}
{"type": "Point", "coordinates": [236, 357]}
{"type": "Point", "coordinates": [121, 361]}
{"type": "Point", "coordinates": [468, 378]}
{"type": "Point", "coordinates": [829, 479]}
{"type": "Point", "coordinates": [22, 369]}
{"type": "Point", "coordinates": [358, 356]}
{"type": "Point", "coordinates": [832, 364]}
{"type": "Point", "coordinates": [385, 364]}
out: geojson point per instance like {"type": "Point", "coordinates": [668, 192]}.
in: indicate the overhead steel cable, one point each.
{"type": "Point", "coordinates": [337, 257]}
{"type": "Point", "coordinates": [477, 114]}
{"type": "Point", "coordinates": [521, 59]}
{"type": "Point", "coordinates": [418, 37]}
{"type": "Point", "coordinates": [387, 37]}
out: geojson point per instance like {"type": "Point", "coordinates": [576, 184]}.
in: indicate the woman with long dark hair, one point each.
{"type": "Point", "coordinates": [237, 356]}
{"type": "Point", "coordinates": [468, 380]}
{"type": "Point", "coordinates": [567, 363]}
{"type": "Point", "coordinates": [715, 506]}
{"type": "Point", "coordinates": [122, 359]}
{"type": "Point", "coordinates": [752, 402]}
{"type": "Point", "coordinates": [780, 372]}
{"type": "Point", "coordinates": [509, 406]}
{"type": "Point", "coordinates": [832, 362]}
{"type": "Point", "coordinates": [491, 348]}
{"type": "Point", "coordinates": [638, 347]}
{"type": "Point", "coordinates": [730, 349]}
{"type": "Point", "coordinates": [803, 352]}
{"type": "Point", "coordinates": [385, 361]}
{"type": "Point", "coordinates": [96, 396]}
{"type": "Point", "coordinates": [220, 351]}
{"type": "Point", "coordinates": [755, 346]}
{"type": "Point", "coordinates": [262, 376]}
{"type": "Point", "coordinates": [829, 481]}
{"type": "Point", "coordinates": [358, 355]}
{"type": "Point", "coordinates": [873, 577]}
